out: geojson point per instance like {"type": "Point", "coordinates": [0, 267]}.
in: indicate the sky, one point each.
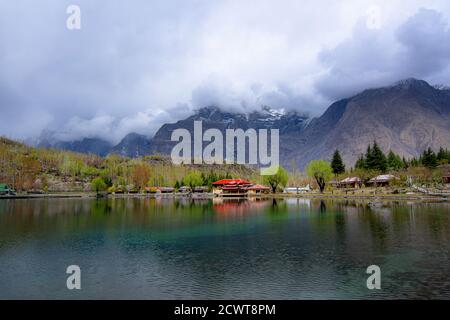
{"type": "Point", "coordinates": [135, 65]}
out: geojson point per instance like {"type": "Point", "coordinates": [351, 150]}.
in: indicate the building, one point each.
{"type": "Point", "coordinates": [446, 178]}
{"type": "Point", "coordinates": [257, 189]}
{"type": "Point", "coordinates": [382, 180]}
{"type": "Point", "coordinates": [159, 189]}
{"type": "Point", "coordinates": [295, 190]}
{"type": "Point", "coordinates": [350, 182]}
{"type": "Point", "coordinates": [5, 189]}
{"type": "Point", "coordinates": [236, 187]}
{"type": "Point", "coordinates": [200, 189]}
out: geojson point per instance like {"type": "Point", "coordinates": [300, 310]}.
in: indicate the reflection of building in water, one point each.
{"type": "Point", "coordinates": [235, 208]}
{"type": "Point", "coordinates": [299, 202]}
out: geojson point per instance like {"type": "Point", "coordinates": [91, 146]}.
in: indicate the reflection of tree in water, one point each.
{"type": "Point", "coordinates": [274, 203]}
{"type": "Point", "coordinates": [323, 207]}
{"type": "Point", "coordinates": [277, 207]}
{"type": "Point", "coordinates": [101, 207]}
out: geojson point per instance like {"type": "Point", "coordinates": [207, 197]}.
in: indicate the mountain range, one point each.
{"type": "Point", "coordinates": [406, 117]}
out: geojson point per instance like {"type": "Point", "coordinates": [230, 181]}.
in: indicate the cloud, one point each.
{"type": "Point", "coordinates": [374, 57]}
{"type": "Point", "coordinates": [134, 66]}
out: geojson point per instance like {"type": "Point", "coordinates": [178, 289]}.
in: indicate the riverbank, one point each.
{"type": "Point", "coordinates": [312, 195]}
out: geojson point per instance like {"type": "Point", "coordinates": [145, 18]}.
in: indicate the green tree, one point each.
{"type": "Point", "coordinates": [394, 162]}
{"type": "Point", "coordinates": [360, 163]}
{"type": "Point", "coordinates": [429, 159]}
{"type": "Point", "coordinates": [321, 171]}
{"type": "Point", "coordinates": [337, 164]}
{"type": "Point", "coordinates": [378, 158]}
{"type": "Point", "coordinates": [443, 156]}
{"type": "Point", "coordinates": [280, 178]}
{"type": "Point", "coordinates": [193, 179]}
{"type": "Point", "coordinates": [369, 161]}
{"type": "Point", "coordinates": [98, 184]}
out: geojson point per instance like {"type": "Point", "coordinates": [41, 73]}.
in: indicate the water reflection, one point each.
{"type": "Point", "coordinates": [224, 248]}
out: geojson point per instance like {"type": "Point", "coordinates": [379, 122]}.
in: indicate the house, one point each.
{"type": "Point", "coordinates": [237, 187]}
{"type": "Point", "coordinates": [382, 180]}
{"type": "Point", "coordinates": [184, 189]}
{"type": "Point", "coordinates": [230, 186]}
{"type": "Point", "coordinates": [296, 190]}
{"type": "Point", "coordinates": [159, 189]}
{"type": "Point", "coordinates": [446, 178]}
{"type": "Point", "coordinates": [200, 189]}
{"type": "Point", "coordinates": [257, 189]}
{"type": "Point", "coordinates": [5, 189]}
{"type": "Point", "coordinates": [350, 182]}
{"type": "Point", "coordinates": [165, 189]}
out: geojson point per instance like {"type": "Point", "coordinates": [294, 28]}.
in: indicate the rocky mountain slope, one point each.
{"type": "Point", "coordinates": [406, 117]}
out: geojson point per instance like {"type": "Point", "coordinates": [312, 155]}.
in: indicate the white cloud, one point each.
{"type": "Point", "coordinates": [132, 64]}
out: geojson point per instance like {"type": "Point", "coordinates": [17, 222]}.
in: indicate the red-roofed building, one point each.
{"type": "Point", "coordinates": [257, 188]}
{"type": "Point", "coordinates": [231, 182]}
{"type": "Point", "coordinates": [235, 187]}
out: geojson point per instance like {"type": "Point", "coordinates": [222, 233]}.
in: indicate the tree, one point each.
{"type": "Point", "coordinates": [360, 163]}
{"type": "Point", "coordinates": [141, 175]}
{"type": "Point", "coordinates": [193, 179]}
{"type": "Point", "coordinates": [368, 159]}
{"type": "Point", "coordinates": [321, 171]}
{"type": "Point", "coordinates": [394, 162]}
{"type": "Point", "coordinates": [280, 178]}
{"type": "Point", "coordinates": [337, 164]}
{"type": "Point", "coordinates": [98, 185]}
{"type": "Point", "coordinates": [378, 158]}
{"type": "Point", "coordinates": [429, 159]}
{"type": "Point", "coordinates": [443, 156]}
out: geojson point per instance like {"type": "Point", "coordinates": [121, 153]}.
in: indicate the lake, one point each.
{"type": "Point", "coordinates": [165, 248]}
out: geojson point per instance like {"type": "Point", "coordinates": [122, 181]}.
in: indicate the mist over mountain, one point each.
{"type": "Point", "coordinates": [406, 117]}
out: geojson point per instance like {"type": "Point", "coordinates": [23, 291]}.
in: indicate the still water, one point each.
{"type": "Point", "coordinates": [223, 249]}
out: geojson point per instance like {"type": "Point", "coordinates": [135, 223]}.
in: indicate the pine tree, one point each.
{"type": "Point", "coordinates": [429, 159]}
{"type": "Point", "coordinates": [368, 159]}
{"type": "Point", "coordinates": [405, 163]}
{"type": "Point", "coordinates": [360, 163]}
{"type": "Point", "coordinates": [378, 158]}
{"type": "Point", "coordinates": [337, 164]}
{"type": "Point", "coordinates": [394, 162]}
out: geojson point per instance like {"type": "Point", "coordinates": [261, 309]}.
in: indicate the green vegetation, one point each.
{"type": "Point", "coordinates": [321, 171]}
{"type": "Point", "coordinates": [337, 164]}
{"type": "Point", "coordinates": [193, 179]}
{"type": "Point", "coordinates": [374, 159]}
{"type": "Point", "coordinates": [279, 179]}
{"type": "Point", "coordinates": [98, 185]}
{"type": "Point", "coordinates": [29, 169]}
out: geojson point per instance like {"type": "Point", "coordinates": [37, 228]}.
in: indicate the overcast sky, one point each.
{"type": "Point", "coordinates": [135, 65]}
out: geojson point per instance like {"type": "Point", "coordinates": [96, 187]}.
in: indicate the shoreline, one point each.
{"type": "Point", "coordinates": [205, 196]}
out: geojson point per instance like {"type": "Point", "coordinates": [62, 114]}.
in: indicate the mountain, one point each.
{"type": "Point", "coordinates": [86, 145]}
{"type": "Point", "coordinates": [407, 117]}
{"type": "Point", "coordinates": [133, 145]}
{"type": "Point", "coordinates": [214, 117]}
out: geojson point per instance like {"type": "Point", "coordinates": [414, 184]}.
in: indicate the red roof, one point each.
{"type": "Point", "coordinates": [258, 187]}
{"type": "Point", "coordinates": [230, 181]}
